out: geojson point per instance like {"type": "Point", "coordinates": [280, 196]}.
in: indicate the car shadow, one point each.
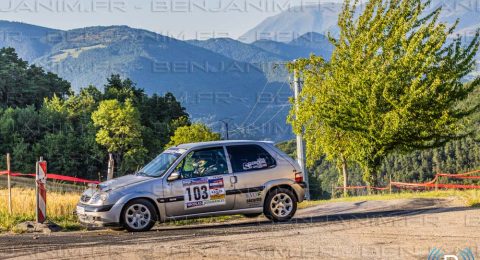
{"type": "Point", "coordinates": [328, 218]}
{"type": "Point", "coordinates": [19, 245]}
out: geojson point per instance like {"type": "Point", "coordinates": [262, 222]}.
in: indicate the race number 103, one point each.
{"type": "Point", "coordinates": [197, 192]}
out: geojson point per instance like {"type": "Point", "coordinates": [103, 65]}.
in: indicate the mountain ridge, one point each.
{"type": "Point", "coordinates": [322, 18]}
{"type": "Point", "coordinates": [210, 85]}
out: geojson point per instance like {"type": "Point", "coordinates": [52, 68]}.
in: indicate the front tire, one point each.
{"type": "Point", "coordinates": [280, 205]}
{"type": "Point", "coordinates": [138, 215]}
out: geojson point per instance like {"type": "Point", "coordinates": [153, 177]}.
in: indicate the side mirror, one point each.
{"type": "Point", "coordinates": [174, 176]}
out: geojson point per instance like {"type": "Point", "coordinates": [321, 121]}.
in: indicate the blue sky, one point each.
{"type": "Point", "coordinates": [183, 19]}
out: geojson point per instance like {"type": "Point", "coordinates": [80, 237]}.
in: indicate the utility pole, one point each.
{"type": "Point", "coordinates": [225, 123]}
{"type": "Point", "coordinates": [110, 167]}
{"type": "Point", "coordinates": [300, 144]}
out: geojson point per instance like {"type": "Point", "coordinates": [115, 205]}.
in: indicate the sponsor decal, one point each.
{"type": "Point", "coordinates": [254, 202]}
{"type": "Point", "coordinates": [258, 164]}
{"type": "Point", "coordinates": [216, 183]}
{"type": "Point", "coordinates": [254, 199]}
{"type": "Point", "coordinates": [204, 192]}
{"type": "Point", "coordinates": [255, 194]}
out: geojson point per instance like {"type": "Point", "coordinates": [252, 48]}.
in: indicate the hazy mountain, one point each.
{"type": "Point", "coordinates": [267, 50]}
{"type": "Point", "coordinates": [210, 85]}
{"type": "Point", "coordinates": [30, 41]}
{"type": "Point", "coordinates": [295, 22]}
{"type": "Point", "coordinates": [303, 46]}
{"type": "Point", "coordinates": [465, 10]}
{"type": "Point", "coordinates": [238, 50]}
{"type": "Point", "coordinates": [322, 18]}
{"type": "Point", "coordinates": [270, 55]}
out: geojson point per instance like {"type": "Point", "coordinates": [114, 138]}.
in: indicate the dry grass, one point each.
{"type": "Point", "coordinates": [60, 207]}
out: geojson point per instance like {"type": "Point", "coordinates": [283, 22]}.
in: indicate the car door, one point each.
{"type": "Point", "coordinates": [252, 167]}
{"type": "Point", "coordinates": [203, 186]}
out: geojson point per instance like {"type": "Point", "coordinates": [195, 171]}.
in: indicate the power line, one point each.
{"type": "Point", "coordinates": [255, 105]}
{"type": "Point", "coordinates": [265, 123]}
{"type": "Point", "coordinates": [265, 110]}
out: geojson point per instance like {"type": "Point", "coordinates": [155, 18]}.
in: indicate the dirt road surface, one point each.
{"type": "Point", "coordinates": [396, 229]}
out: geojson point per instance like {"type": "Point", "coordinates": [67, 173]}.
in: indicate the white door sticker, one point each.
{"type": "Point", "coordinates": [204, 192]}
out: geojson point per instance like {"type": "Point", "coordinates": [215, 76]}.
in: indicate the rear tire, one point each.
{"type": "Point", "coordinates": [280, 205]}
{"type": "Point", "coordinates": [252, 215]}
{"type": "Point", "coordinates": [138, 215]}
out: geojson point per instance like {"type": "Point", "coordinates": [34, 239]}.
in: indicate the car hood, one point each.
{"type": "Point", "coordinates": [122, 182]}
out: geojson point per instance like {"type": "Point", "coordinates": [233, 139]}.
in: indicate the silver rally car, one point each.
{"type": "Point", "coordinates": [199, 180]}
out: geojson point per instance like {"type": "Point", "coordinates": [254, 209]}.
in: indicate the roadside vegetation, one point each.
{"type": "Point", "coordinates": [396, 84]}
{"type": "Point", "coordinates": [60, 206]}
{"type": "Point", "coordinates": [457, 156]}
{"type": "Point", "coordinates": [40, 115]}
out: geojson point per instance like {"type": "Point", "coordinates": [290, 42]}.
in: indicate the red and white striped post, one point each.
{"type": "Point", "coordinates": [41, 188]}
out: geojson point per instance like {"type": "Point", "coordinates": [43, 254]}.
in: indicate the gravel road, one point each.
{"type": "Point", "coordinates": [396, 229]}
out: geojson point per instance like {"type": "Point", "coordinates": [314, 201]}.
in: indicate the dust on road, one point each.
{"type": "Point", "coordinates": [396, 229]}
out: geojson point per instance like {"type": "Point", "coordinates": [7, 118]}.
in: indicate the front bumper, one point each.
{"type": "Point", "coordinates": [98, 216]}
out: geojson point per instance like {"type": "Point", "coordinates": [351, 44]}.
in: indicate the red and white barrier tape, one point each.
{"type": "Point", "coordinates": [51, 176]}
{"type": "Point", "coordinates": [430, 184]}
{"type": "Point", "coordinates": [457, 174]}
{"type": "Point", "coordinates": [361, 187]}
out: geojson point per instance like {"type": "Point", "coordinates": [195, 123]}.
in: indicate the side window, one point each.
{"type": "Point", "coordinates": [249, 158]}
{"type": "Point", "coordinates": [205, 162]}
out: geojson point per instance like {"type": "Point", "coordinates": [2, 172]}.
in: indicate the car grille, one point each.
{"type": "Point", "coordinates": [85, 198]}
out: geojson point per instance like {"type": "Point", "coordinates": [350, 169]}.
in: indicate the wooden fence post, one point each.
{"type": "Point", "coordinates": [9, 184]}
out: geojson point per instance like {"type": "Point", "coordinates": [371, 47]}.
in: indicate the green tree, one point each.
{"type": "Point", "coordinates": [122, 89]}
{"type": "Point", "coordinates": [69, 143]}
{"type": "Point", "coordinates": [23, 155]}
{"type": "Point", "coordinates": [40, 116]}
{"type": "Point", "coordinates": [393, 84]}
{"type": "Point", "coordinates": [156, 112]}
{"type": "Point", "coordinates": [160, 116]}
{"type": "Point", "coordinates": [196, 132]}
{"type": "Point", "coordinates": [120, 132]}
{"type": "Point", "coordinates": [22, 85]}
{"type": "Point", "coordinates": [24, 123]}
{"type": "Point", "coordinates": [415, 166]}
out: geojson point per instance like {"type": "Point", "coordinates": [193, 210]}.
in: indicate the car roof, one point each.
{"type": "Point", "coordinates": [223, 142]}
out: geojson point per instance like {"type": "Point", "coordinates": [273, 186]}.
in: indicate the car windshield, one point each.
{"type": "Point", "coordinates": [160, 164]}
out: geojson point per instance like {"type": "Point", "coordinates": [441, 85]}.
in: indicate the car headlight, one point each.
{"type": "Point", "coordinates": [99, 198]}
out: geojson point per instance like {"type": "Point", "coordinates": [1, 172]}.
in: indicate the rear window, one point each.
{"type": "Point", "coordinates": [249, 158]}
